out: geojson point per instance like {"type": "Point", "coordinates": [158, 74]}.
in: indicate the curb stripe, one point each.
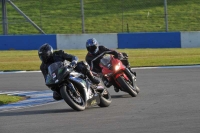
{"type": "Point", "coordinates": [35, 98]}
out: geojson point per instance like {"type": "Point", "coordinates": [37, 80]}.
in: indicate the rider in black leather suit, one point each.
{"type": "Point", "coordinates": [48, 56]}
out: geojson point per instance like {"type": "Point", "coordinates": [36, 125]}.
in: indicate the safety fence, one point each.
{"type": "Point", "coordinates": [98, 16]}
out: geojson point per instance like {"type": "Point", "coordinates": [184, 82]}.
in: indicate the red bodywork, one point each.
{"type": "Point", "coordinates": [109, 70]}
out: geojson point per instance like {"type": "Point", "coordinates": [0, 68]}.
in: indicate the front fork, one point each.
{"type": "Point", "coordinates": [130, 76]}
{"type": "Point", "coordinates": [71, 87]}
{"type": "Point", "coordinates": [127, 76]}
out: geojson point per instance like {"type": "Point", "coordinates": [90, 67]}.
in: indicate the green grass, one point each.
{"type": "Point", "coordinates": [28, 60]}
{"type": "Point", "coordinates": [6, 99]}
{"type": "Point", "coordinates": [107, 16]}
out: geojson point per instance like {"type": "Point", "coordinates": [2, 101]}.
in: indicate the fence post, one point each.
{"type": "Point", "coordinates": [4, 18]}
{"type": "Point", "coordinates": [166, 16]}
{"type": "Point", "coordinates": [26, 17]}
{"type": "Point", "coordinates": [82, 16]}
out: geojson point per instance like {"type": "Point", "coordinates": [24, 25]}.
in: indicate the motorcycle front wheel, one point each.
{"type": "Point", "coordinates": [75, 102]}
{"type": "Point", "coordinates": [126, 86]}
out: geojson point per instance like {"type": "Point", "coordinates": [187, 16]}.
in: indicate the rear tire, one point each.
{"type": "Point", "coordinates": [105, 99]}
{"type": "Point", "coordinates": [75, 102]}
{"type": "Point", "coordinates": [126, 86]}
{"type": "Point", "coordinates": [137, 89]}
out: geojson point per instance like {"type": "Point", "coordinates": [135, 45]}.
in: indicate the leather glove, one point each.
{"type": "Point", "coordinates": [118, 56]}
{"type": "Point", "coordinates": [125, 55]}
{"type": "Point", "coordinates": [73, 64]}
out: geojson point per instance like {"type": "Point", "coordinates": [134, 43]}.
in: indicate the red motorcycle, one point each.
{"type": "Point", "coordinates": [117, 74]}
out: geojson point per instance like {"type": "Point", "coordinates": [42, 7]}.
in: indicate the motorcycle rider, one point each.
{"type": "Point", "coordinates": [94, 49]}
{"type": "Point", "coordinates": [48, 56]}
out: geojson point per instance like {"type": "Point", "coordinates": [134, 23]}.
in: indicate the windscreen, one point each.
{"type": "Point", "coordinates": [54, 66]}
{"type": "Point", "coordinates": [105, 60]}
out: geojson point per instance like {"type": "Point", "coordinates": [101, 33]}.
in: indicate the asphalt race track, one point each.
{"type": "Point", "coordinates": [168, 102]}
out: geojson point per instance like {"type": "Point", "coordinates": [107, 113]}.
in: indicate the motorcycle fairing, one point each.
{"type": "Point", "coordinates": [81, 84]}
{"type": "Point", "coordinates": [108, 64]}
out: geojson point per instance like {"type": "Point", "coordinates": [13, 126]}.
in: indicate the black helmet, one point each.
{"type": "Point", "coordinates": [45, 52]}
{"type": "Point", "coordinates": [92, 46]}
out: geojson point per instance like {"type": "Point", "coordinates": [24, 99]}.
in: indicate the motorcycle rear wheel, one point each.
{"type": "Point", "coordinates": [126, 86]}
{"type": "Point", "coordinates": [137, 89]}
{"type": "Point", "coordinates": [75, 102]}
{"type": "Point", "coordinates": [105, 99]}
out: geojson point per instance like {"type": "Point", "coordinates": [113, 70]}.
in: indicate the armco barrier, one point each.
{"type": "Point", "coordinates": [149, 40]}
{"type": "Point", "coordinates": [190, 39]}
{"type": "Point", "coordinates": [112, 40]}
{"type": "Point", "coordinates": [77, 41]}
{"type": "Point", "coordinates": [26, 42]}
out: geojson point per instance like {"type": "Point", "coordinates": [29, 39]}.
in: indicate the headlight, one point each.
{"type": "Point", "coordinates": [117, 67]}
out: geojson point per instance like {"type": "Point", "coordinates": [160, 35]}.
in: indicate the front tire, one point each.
{"type": "Point", "coordinates": [126, 86]}
{"type": "Point", "coordinates": [75, 102]}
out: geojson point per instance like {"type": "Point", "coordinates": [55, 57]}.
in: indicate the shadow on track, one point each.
{"type": "Point", "coordinates": [39, 112]}
{"type": "Point", "coordinates": [121, 96]}
{"type": "Point", "coordinates": [35, 112]}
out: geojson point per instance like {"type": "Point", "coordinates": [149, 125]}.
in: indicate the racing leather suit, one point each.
{"type": "Point", "coordinates": [89, 57]}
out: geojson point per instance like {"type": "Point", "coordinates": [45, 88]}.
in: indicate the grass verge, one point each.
{"type": "Point", "coordinates": [29, 61]}
{"type": "Point", "coordinates": [6, 99]}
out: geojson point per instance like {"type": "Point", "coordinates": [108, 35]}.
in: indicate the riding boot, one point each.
{"type": "Point", "coordinates": [92, 78]}
{"type": "Point", "coordinates": [116, 89]}
{"type": "Point", "coordinates": [57, 96]}
{"type": "Point", "coordinates": [106, 82]}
